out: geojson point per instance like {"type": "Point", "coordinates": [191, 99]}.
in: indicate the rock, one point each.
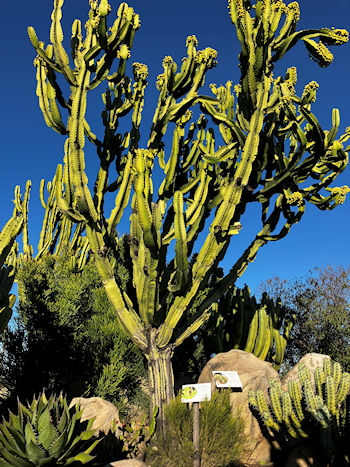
{"type": "Point", "coordinates": [254, 374]}
{"type": "Point", "coordinates": [104, 411]}
{"type": "Point", "coordinates": [127, 463]}
{"type": "Point", "coordinates": [311, 361]}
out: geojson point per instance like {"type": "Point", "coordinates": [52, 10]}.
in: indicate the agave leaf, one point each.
{"type": "Point", "coordinates": [62, 423]}
{"type": "Point", "coordinates": [15, 422]}
{"type": "Point", "coordinates": [76, 416]}
{"type": "Point", "coordinates": [87, 434]}
{"type": "Point", "coordinates": [4, 463]}
{"type": "Point", "coordinates": [29, 433]}
{"type": "Point", "coordinates": [93, 445]}
{"type": "Point", "coordinates": [82, 457]}
{"type": "Point", "coordinates": [42, 404]}
{"type": "Point", "coordinates": [35, 453]}
{"type": "Point", "coordinates": [33, 406]}
{"type": "Point", "coordinates": [57, 446]}
{"type": "Point", "coordinates": [44, 420]}
{"type": "Point", "coordinates": [15, 441]}
{"type": "Point", "coordinates": [47, 461]}
{"type": "Point", "coordinates": [47, 436]}
{"type": "Point", "coordinates": [14, 460]}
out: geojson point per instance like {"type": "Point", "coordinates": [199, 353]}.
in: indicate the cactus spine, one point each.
{"type": "Point", "coordinates": [272, 144]}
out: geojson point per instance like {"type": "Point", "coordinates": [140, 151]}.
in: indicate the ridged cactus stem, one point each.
{"type": "Point", "coordinates": [128, 318]}
{"type": "Point", "coordinates": [160, 374]}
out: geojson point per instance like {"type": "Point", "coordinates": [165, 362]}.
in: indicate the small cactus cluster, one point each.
{"type": "Point", "coordinates": [46, 432]}
{"type": "Point", "coordinates": [260, 328]}
{"type": "Point", "coordinates": [317, 409]}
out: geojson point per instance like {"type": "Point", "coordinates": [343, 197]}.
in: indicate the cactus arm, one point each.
{"type": "Point", "coordinates": [123, 196]}
{"type": "Point", "coordinates": [267, 344]}
{"type": "Point", "coordinates": [191, 328]}
{"type": "Point", "coordinates": [49, 220]}
{"type": "Point", "coordinates": [261, 336]}
{"type": "Point", "coordinates": [27, 247]}
{"type": "Point", "coordinates": [331, 395]}
{"type": "Point", "coordinates": [141, 186]}
{"type": "Point", "coordinates": [46, 94]}
{"type": "Point", "coordinates": [56, 38]}
{"type": "Point", "coordinates": [253, 331]}
{"type": "Point", "coordinates": [183, 79]}
{"type": "Point", "coordinates": [171, 166]}
{"type": "Point", "coordinates": [76, 160]}
{"type": "Point", "coordinates": [181, 276]}
{"type": "Point", "coordinates": [128, 318]}
{"type": "Point", "coordinates": [38, 46]}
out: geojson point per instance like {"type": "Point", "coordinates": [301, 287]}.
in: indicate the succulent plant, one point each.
{"type": "Point", "coordinates": [240, 322]}
{"type": "Point", "coordinates": [318, 410]}
{"type": "Point", "coordinates": [46, 432]}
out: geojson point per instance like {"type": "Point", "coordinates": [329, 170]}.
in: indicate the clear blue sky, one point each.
{"type": "Point", "coordinates": [30, 150]}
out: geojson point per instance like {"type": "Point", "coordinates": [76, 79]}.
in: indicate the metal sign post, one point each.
{"type": "Point", "coordinates": [196, 434]}
{"type": "Point", "coordinates": [196, 393]}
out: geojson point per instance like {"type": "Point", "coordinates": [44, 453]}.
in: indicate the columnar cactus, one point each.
{"type": "Point", "coordinates": [242, 323]}
{"type": "Point", "coordinates": [266, 145]}
{"type": "Point", "coordinates": [317, 409]}
{"type": "Point", "coordinates": [8, 254]}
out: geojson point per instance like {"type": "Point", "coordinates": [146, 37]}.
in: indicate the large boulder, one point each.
{"type": "Point", "coordinates": [254, 374]}
{"type": "Point", "coordinates": [103, 411]}
{"type": "Point", "coordinates": [311, 361]}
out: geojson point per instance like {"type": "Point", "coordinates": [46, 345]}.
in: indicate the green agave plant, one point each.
{"type": "Point", "coordinates": [46, 432]}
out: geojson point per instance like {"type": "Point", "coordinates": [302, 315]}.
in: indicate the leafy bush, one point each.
{"type": "Point", "coordinates": [66, 337]}
{"type": "Point", "coordinates": [221, 435]}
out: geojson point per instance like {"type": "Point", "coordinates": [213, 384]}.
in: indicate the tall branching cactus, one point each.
{"type": "Point", "coordinates": [316, 408]}
{"type": "Point", "coordinates": [8, 254]}
{"type": "Point", "coordinates": [240, 322]}
{"type": "Point", "coordinates": [266, 146]}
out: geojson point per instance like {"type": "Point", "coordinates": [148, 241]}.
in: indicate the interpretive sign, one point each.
{"type": "Point", "coordinates": [196, 392]}
{"type": "Point", "coordinates": [227, 379]}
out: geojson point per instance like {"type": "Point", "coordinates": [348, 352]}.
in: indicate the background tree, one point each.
{"type": "Point", "coordinates": [266, 146]}
{"type": "Point", "coordinates": [321, 303]}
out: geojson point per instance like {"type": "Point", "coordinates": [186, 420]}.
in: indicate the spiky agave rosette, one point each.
{"type": "Point", "coordinates": [46, 432]}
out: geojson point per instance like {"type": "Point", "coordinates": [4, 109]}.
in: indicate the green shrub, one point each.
{"type": "Point", "coordinates": [66, 338]}
{"type": "Point", "coordinates": [222, 440]}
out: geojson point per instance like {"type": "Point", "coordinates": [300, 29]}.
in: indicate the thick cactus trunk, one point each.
{"type": "Point", "coordinates": [161, 379]}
